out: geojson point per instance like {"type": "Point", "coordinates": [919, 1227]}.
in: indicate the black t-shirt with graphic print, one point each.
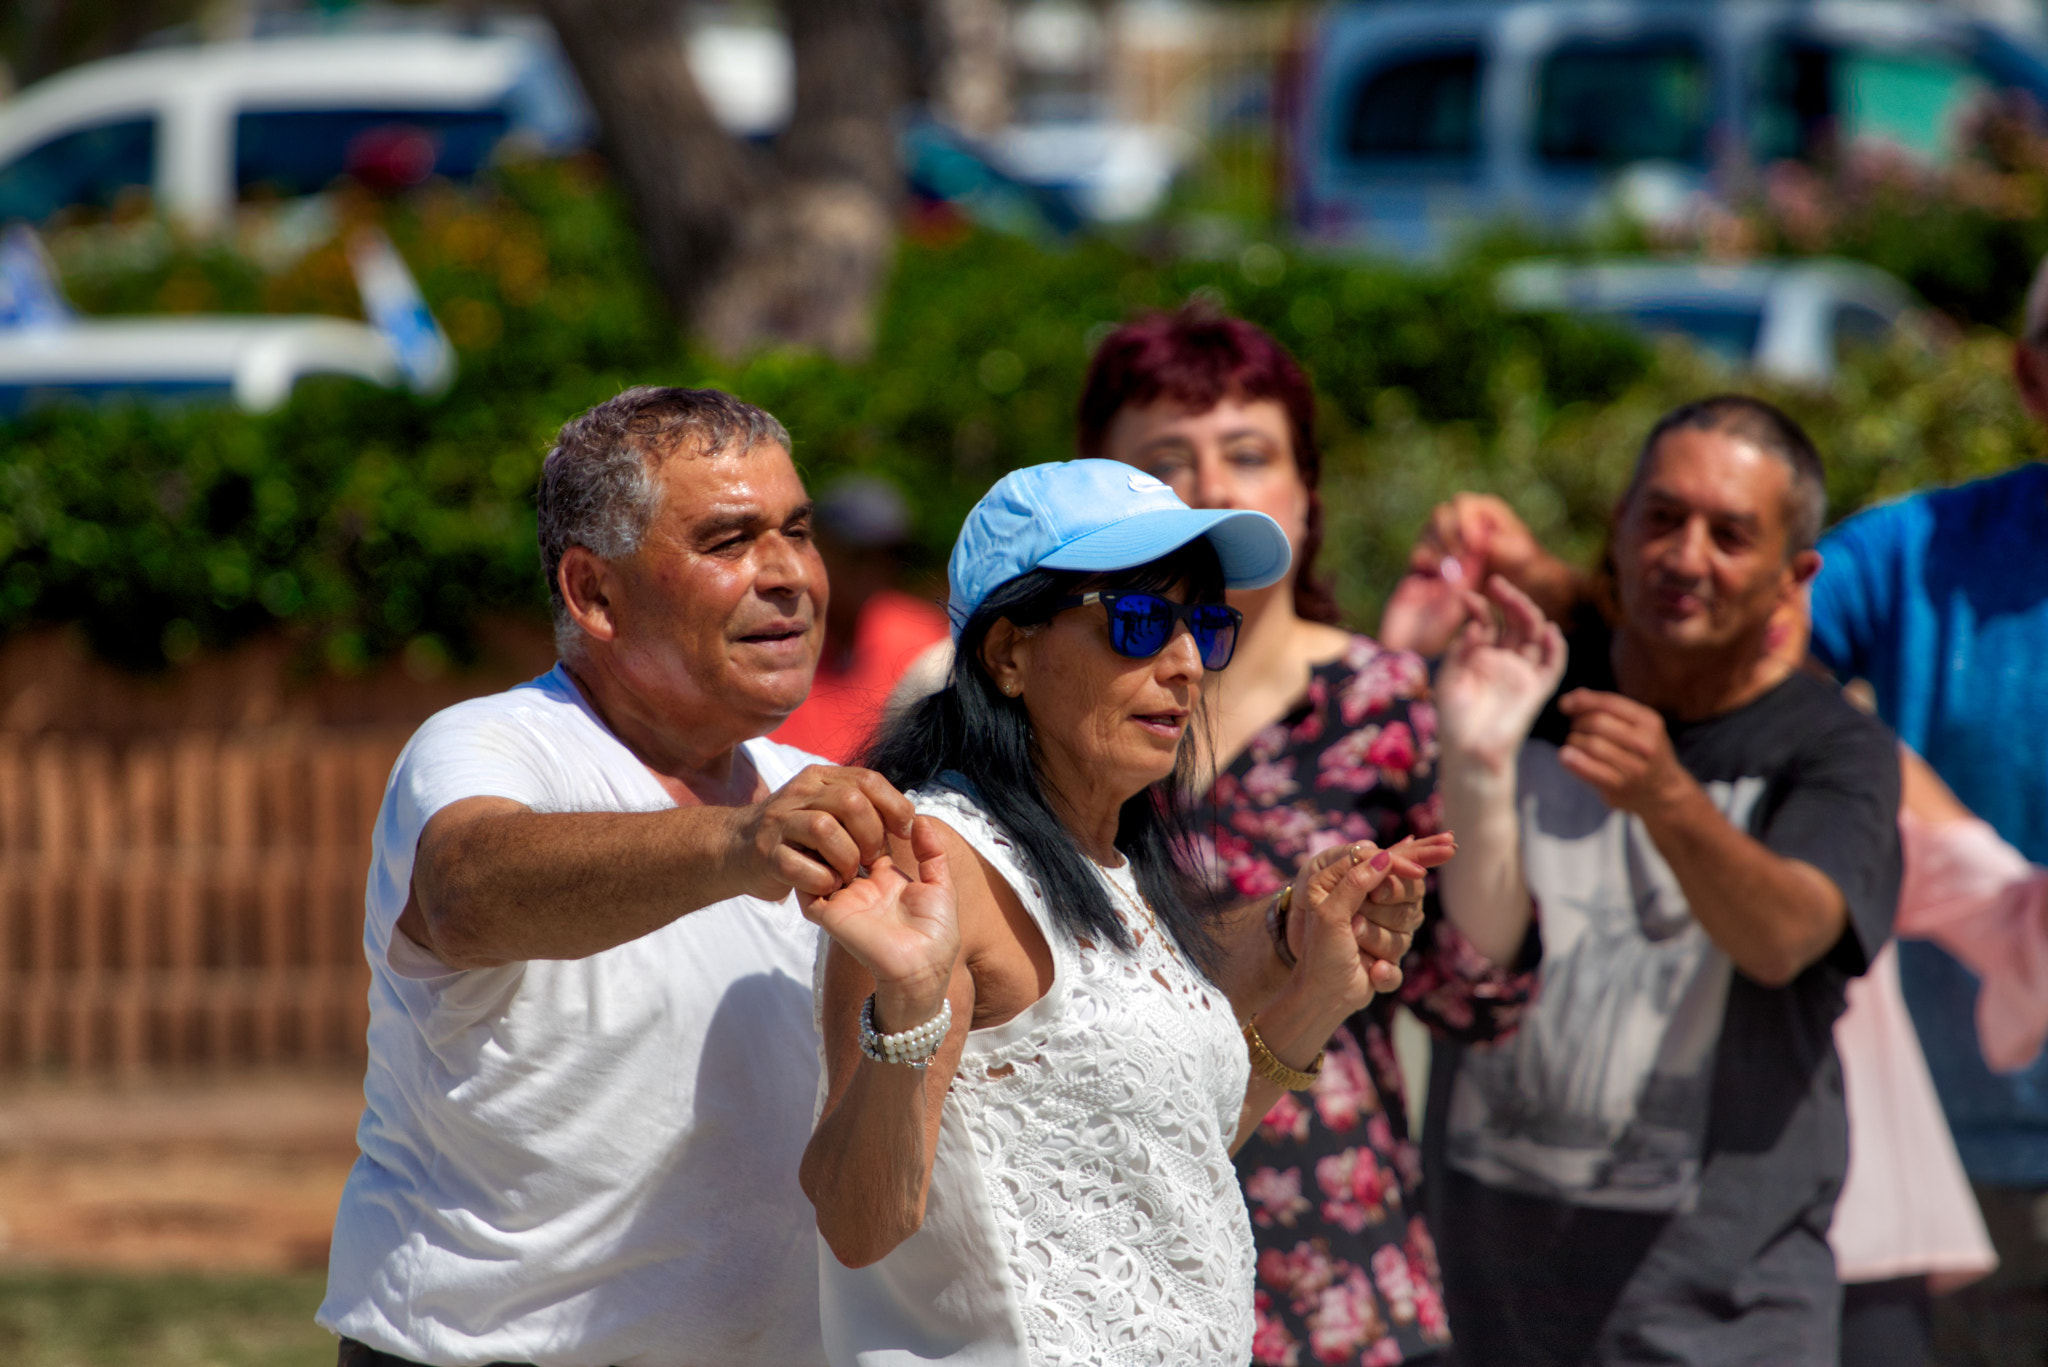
{"type": "Point", "coordinates": [1646, 1170]}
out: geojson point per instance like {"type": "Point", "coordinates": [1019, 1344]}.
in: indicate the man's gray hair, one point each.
{"type": "Point", "coordinates": [598, 488]}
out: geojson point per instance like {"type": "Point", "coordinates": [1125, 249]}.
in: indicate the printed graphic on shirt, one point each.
{"type": "Point", "coordinates": [1601, 1098]}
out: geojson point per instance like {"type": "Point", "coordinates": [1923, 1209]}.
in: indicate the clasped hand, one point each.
{"type": "Point", "coordinates": [825, 834]}
{"type": "Point", "coordinates": [902, 926]}
{"type": "Point", "coordinates": [815, 833]}
{"type": "Point", "coordinates": [1355, 912]}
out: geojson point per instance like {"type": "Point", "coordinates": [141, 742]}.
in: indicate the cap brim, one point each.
{"type": "Point", "coordinates": [1253, 549]}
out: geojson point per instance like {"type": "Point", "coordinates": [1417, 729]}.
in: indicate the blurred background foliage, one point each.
{"type": "Point", "coordinates": [367, 523]}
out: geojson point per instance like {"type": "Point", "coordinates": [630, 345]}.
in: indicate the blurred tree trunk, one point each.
{"type": "Point", "coordinates": [754, 247]}
{"type": "Point", "coordinates": [46, 36]}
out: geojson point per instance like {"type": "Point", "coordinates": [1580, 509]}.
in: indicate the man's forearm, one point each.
{"type": "Point", "coordinates": [513, 884]}
{"type": "Point", "coordinates": [1773, 916]}
{"type": "Point", "coordinates": [1557, 587]}
{"type": "Point", "coordinates": [1483, 891]}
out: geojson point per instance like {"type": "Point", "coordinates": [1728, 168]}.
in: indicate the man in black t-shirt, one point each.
{"type": "Point", "coordinates": [1706, 846]}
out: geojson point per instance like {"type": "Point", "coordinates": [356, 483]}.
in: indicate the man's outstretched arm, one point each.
{"type": "Point", "coordinates": [495, 882]}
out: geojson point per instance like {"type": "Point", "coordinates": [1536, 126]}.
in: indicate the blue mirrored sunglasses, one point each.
{"type": "Point", "coordinates": [1140, 624]}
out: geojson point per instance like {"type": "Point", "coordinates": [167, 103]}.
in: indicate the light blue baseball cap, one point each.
{"type": "Point", "coordinates": [1097, 515]}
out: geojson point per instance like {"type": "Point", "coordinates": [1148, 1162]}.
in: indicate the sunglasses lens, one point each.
{"type": "Point", "coordinates": [1215, 630]}
{"type": "Point", "coordinates": [1139, 625]}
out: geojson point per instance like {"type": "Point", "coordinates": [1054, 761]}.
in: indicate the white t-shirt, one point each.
{"type": "Point", "coordinates": [586, 1162]}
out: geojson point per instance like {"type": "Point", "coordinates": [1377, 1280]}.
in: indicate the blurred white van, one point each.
{"type": "Point", "coordinates": [1792, 320]}
{"type": "Point", "coordinates": [200, 126]}
{"type": "Point", "coordinates": [48, 354]}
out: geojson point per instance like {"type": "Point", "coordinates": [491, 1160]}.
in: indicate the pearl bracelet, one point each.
{"type": "Point", "coordinates": [913, 1048]}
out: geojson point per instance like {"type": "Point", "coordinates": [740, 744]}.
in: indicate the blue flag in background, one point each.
{"type": "Point", "coordinates": [29, 297]}
{"type": "Point", "coordinates": [397, 309]}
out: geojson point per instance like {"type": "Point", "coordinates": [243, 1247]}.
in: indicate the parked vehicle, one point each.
{"type": "Point", "coordinates": [200, 126]}
{"type": "Point", "coordinates": [49, 353]}
{"type": "Point", "coordinates": [1410, 123]}
{"type": "Point", "coordinates": [1791, 320]}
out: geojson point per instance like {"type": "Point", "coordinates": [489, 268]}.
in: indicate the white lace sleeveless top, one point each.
{"type": "Point", "coordinates": [1083, 1206]}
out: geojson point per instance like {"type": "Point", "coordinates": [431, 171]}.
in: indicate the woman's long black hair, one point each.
{"type": "Point", "coordinates": [969, 727]}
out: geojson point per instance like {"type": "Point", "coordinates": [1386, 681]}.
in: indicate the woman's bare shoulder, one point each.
{"type": "Point", "coordinates": [1000, 942]}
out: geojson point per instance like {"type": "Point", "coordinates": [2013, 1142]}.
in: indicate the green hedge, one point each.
{"type": "Point", "coordinates": [368, 522]}
{"type": "Point", "coordinates": [365, 522]}
{"type": "Point", "coordinates": [1894, 422]}
{"type": "Point", "coordinates": [1965, 234]}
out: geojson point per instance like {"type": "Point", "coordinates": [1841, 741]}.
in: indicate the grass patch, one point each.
{"type": "Point", "coordinates": [161, 1320]}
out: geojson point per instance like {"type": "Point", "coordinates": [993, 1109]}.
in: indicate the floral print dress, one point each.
{"type": "Point", "coordinates": [1346, 1268]}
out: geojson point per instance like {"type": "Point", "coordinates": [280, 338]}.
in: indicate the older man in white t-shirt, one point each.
{"type": "Point", "coordinates": [592, 1061]}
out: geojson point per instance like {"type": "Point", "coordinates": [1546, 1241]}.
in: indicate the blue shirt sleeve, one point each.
{"type": "Point", "coordinates": [1856, 596]}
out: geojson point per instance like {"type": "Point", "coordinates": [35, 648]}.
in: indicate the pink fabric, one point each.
{"type": "Point", "coordinates": [1979, 899]}
{"type": "Point", "coordinates": [1906, 1207]}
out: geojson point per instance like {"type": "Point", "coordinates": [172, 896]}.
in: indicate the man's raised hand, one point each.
{"type": "Point", "coordinates": [816, 832]}
{"type": "Point", "coordinates": [1467, 538]}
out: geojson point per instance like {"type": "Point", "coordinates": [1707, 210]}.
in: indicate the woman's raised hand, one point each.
{"type": "Point", "coordinates": [1497, 674]}
{"type": "Point", "coordinates": [904, 930]}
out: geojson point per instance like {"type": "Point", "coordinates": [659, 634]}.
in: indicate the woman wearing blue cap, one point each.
{"type": "Point", "coordinates": [1320, 736]}
{"type": "Point", "coordinates": [1035, 1068]}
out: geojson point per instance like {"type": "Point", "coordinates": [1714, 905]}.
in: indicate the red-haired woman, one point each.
{"type": "Point", "coordinates": [1321, 737]}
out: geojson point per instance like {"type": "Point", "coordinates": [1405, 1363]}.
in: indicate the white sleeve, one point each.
{"type": "Point", "coordinates": [778, 763]}
{"type": "Point", "coordinates": [470, 750]}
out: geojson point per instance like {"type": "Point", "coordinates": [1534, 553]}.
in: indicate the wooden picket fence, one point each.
{"type": "Point", "coordinates": [186, 901]}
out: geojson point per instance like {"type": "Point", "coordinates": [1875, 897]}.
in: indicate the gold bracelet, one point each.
{"type": "Point", "coordinates": [1272, 1069]}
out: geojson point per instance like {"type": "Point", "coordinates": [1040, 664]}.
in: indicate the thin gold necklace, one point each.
{"type": "Point", "coordinates": [1137, 901]}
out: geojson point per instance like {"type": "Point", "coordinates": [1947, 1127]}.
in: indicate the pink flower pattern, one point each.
{"type": "Point", "coordinates": [1345, 1319]}
{"type": "Point", "coordinates": [1275, 1195]}
{"type": "Point", "coordinates": [1271, 1341]}
{"type": "Point", "coordinates": [1348, 764]}
{"type": "Point", "coordinates": [1346, 1270]}
{"type": "Point", "coordinates": [1397, 1289]}
{"type": "Point", "coordinates": [1288, 1119]}
{"type": "Point", "coordinates": [1343, 1093]}
{"type": "Point", "coordinates": [1356, 1189]}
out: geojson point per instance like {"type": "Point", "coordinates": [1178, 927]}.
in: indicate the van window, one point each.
{"type": "Point", "coordinates": [1819, 99]}
{"type": "Point", "coordinates": [1727, 332]}
{"type": "Point", "coordinates": [90, 166]}
{"type": "Point", "coordinates": [298, 151]}
{"type": "Point", "coordinates": [1611, 103]}
{"type": "Point", "coordinates": [1858, 328]}
{"type": "Point", "coordinates": [1425, 106]}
